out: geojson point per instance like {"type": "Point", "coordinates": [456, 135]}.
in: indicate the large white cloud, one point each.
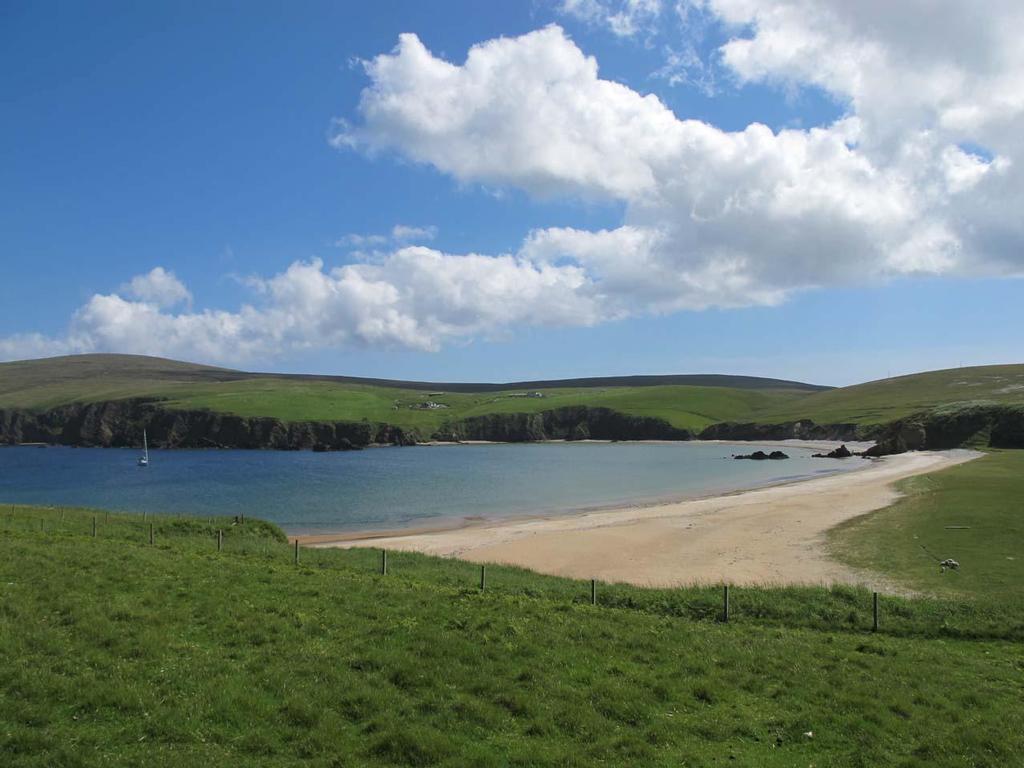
{"type": "Point", "coordinates": [925, 79]}
{"type": "Point", "coordinates": [414, 297]}
{"type": "Point", "coordinates": [730, 217]}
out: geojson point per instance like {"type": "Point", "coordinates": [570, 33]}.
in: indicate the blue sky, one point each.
{"type": "Point", "coordinates": [197, 138]}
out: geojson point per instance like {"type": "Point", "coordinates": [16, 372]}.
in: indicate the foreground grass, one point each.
{"type": "Point", "coordinates": [973, 513]}
{"type": "Point", "coordinates": [115, 652]}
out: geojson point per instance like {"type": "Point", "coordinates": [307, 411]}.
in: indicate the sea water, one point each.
{"type": "Point", "coordinates": [386, 488]}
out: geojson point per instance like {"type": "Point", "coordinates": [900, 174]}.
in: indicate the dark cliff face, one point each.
{"type": "Point", "coordinates": [792, 430]}
{"type": "Point", "coordinates": [120, 424]}
{"type": "Point", "coordinates": [569, 423]}
{"type": "Point", "coordinates": [955, 426]}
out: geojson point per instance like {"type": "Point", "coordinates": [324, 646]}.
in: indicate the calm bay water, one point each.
{"type": "Point", "coordinates": [308, 492]}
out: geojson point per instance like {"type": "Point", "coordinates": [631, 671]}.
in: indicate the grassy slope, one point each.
{"type": "Point", "coordinates": [878, 402]}
{"type": "Point", "coordinates": [44, 384]}
{"type": "Point", "coordinates": [113, 652]}
{"type": "Point", "coordinates": [41, 384]}
{"type": "Point", "coordinates": [683, 406]}
{"type": "Point", "coordinates": [986, 495]}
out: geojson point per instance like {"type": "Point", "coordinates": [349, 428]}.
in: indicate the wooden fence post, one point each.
{"type": "Point", "coordinates": [483, 577]}
{"type": "Point", "coordinates": [874, 607]}
{"type": "Point", "coordinates": [593, 591]}
{"type": "Point", "coordinates": [296, 551]}
{"type": "Point", "coordinates": [384, 562]}
{"type": "Point", "coordinates": [151, 533]}
{"type": "Point", "coordinates": [725, 607]}
{"type": "Point", "coordinates": [220, 539]}
{"type": "Point", "coordinates": [94, 526]}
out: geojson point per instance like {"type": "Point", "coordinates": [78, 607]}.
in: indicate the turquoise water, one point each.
{"type": "Point", "coordinates": [307, 492]}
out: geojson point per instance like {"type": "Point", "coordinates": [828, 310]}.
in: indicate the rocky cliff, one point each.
{"type": "Point", "coordinates": [568, 423]}
{"type": "Point", "coordinates": [121, 422]}
{"type": "Point", "coordinates": [953, 426]}
{"type": "Point", "coordinates": [790, 430]}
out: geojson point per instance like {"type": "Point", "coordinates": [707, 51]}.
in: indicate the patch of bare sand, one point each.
{"type": "Point", "coordinates": [772, 535]}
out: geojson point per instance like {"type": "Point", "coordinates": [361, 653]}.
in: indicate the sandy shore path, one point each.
{"type": "Point", "coordinates": [772, 535]}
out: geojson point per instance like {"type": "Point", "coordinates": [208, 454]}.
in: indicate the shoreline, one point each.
{"type": "Point", "coordinates": [458, 522]}
{"type": "Point", "coordinates": [772, 534]}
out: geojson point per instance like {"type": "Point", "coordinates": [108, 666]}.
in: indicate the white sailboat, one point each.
{"type": "Point", "coordinates": [144, 458]}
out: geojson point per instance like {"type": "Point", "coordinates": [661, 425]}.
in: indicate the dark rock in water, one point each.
{"type": "Point", "coordinates": [762, 456]}
{"type": "Point", "coordinates": [842, 452]}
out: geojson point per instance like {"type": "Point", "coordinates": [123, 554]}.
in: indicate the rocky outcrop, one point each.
{"type": "Point", "coordinates": [842, 452]}
{"type": "Point", "coordinates": [790, 430]}
{"type": "Point", "coordinates": [762, 456]}
{"type": "Point", "coordinates": [568, 423]}
{"type": "Point", "coordinates": [120, 424]}
{"type": "Point", "coordinates": [953, 426]}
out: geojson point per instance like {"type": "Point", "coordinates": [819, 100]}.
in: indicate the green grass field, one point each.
{"type": "Point", "coordinates": [116, 652]}
{"type": "Point", "coordinates": [973, 513]}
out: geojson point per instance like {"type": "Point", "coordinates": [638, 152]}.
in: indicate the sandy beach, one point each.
{"type": "Point", "coordinates": [773, 535]}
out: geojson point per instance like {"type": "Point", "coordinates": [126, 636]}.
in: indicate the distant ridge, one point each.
{"type": "Point", "coordinates": [694, 380]}
{"type": "Point", "coordinates": [90, 366]}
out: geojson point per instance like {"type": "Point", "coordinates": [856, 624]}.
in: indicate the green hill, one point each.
{"type": "Point", "coordinates": [877, 402]}
{"type": "Point", "coordinates": [686, 401]}
{"type": "Point", "coordinates": [690, 402]}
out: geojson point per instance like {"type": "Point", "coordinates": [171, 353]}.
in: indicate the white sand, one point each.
{"type": "Point", "coordinates": [772, 535]}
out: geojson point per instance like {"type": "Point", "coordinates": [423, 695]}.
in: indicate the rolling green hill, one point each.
{"type": "Point", "coordinates": [688, 402]}
{"type": "Point", "coordinates": [877, 402]}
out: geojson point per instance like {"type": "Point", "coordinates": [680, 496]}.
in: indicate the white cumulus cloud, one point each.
{"type": "Point", "coordinates": [159, 287]}
{"type": "Point", "coordinates": [713, 217]}
{"type": "Point", "coordinates": [415, 297]}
